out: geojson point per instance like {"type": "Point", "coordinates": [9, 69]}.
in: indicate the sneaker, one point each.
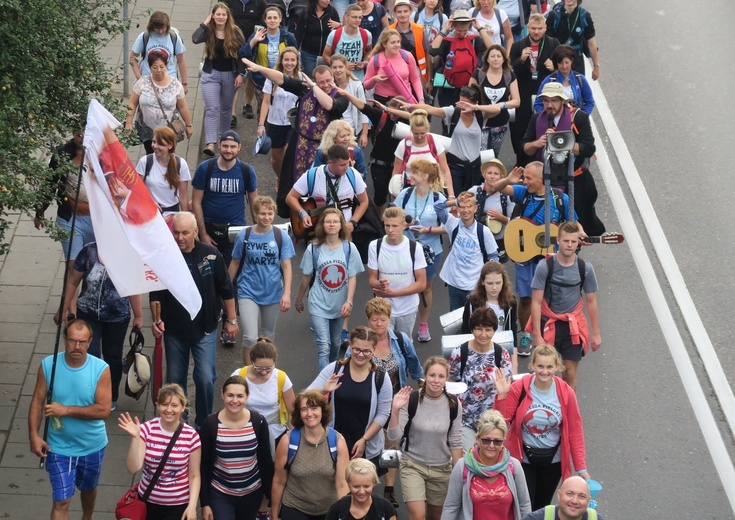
{"type": "Point", "coordinates": [524, 344]}
{"type": "Point", "coordinates": [263, 515]}
{"type": "Point", "coordinates": [345, 335]}
{"type": "Point", "coordinates": [391, 497]}
{"type": "Point", "coordinates": [233, 122]}
{"type": "Point", "coordinates": [114, 406]}
{"type": "Point", "coordinates": [424, 335]}
{"type": "Point", "coordinates": [208, 150]}
{"type": "Point", "coordinates": [247, 111]}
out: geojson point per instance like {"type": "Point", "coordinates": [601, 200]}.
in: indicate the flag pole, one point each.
{"type": "Point", "coordinates": [50, 390]}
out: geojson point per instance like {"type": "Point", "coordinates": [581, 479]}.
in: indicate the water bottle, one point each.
{"type": "Point", "coordinates": [450, 61]}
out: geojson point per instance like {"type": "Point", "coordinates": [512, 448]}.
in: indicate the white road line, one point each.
{"type": "Point", "coordinates": [670, 329]}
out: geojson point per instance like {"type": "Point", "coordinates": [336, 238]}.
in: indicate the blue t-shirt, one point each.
{"type": "Point", "coordinates": [422, 209]}
{"type": "Point", "coordinates": [535, 201]}
{"type": "Point", "coordinates": [224, 198]}
{"type": "Point", "coordinates": [541, 426]}
{"type": "Point", "coordinates": [156, 41]}
{"type": "Point", "coordinates": [333, 271]}
{"type": "Point", "coordinates": [76, 387]}
{"type": "Point", "coordinates": [272, 52]}
{"type": "Point", "coordinates": [350, 47]}
{"type": "Point", "coordinates": [260, 279]}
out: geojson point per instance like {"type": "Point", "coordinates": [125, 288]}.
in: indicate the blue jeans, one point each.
{"type": "Point", "coordinates": [229, 506]}
{"type": "Point", "coordinates": [328, 337]}
{"type": "Point", "coordinates": [83, 234]}
{"type": "Point", "coordinates": [203, 350]}
{"type": "Point", "coordinates": [457, 297]}
{"type": "Point", "coordinates": [108, 342]}
{"type": "Point", "coordinates": [308, 63]}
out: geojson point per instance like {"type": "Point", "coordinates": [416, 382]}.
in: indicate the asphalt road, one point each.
{"type": "Point", "coordinates": [667, 86]}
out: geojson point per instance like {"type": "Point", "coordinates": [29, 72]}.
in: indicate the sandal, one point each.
{"type": "Point", "coordinates": [209, 150]}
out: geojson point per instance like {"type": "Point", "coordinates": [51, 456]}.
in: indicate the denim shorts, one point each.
{"type": "Point", "coordinates": [66, 472]}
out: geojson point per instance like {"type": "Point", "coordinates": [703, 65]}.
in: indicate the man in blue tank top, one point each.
{"type": "Point", "coordinates": [81, 401]}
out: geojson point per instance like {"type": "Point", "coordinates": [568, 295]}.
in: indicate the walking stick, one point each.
{"type": "Point", "coordinates": [49, 392]}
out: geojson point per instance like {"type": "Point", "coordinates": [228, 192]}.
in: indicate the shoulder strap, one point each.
{"type": "Point", "coordinates": [464, 352]}
{"type": "Point", "coordinates": [314, 259]}
{"type": "Point", "coordinates": [412, 252]}
{"type": "Point", "coordinates": [174, 39]}
{"type": "Point", "coordinates": [549, 512]}
{"type": "Point", "coordinates": [337, 38]}
{"type": "Point", "coordinates": [146, 37]}
{"type": "Point", "coordinates": [164, 458]}
{"type": "Point", "coordinates": [591, 514]}
{"type": "Point", "coordinates": [481, 240]}
{"type": "Point", "coordinates": [413, 404]}
{"type": "Point", "coordinates": [455, 231]}
{"type": "Point", "coordinates": [278, 235]}
{"type": "Point", "coordinates": [582, 272]}
{"type": "Point", "coordinates": [504, 203]}
{"type": "Point", "coordinates": [294, 439]}
{"type": "Point", "coordinates": [332, 443]}
{"type": "Point", "coordinates": [365, 38]}
{"type": "Point", "coordinates": [404, 55]}
{"type": "Point", "coordinates": [407, 196]}
{"type": "Point", "coordinates": [210, 170]}
{"type": "Point", "coordinates": [474, 12]}
{"type": "Point", "coordinates": [379, 378]}
{"type": "Point", "coordinates": [310, 178]}
{"type": "Point", "coordinates": [148, 166]}
{"type": "Point", "coordinates": [347, 250]}
{"type": "Point", "coordinates": [243, 372]}
{"type": "Point", "coordinates": [454, 120]}
{"type": "Point", "coordinates": [283, 411]}
{"type": "Point", "coordinates": [549, 272]}
{"type": "Point", "coordinates": [351, 177]}
{"type": "Point", "coordinates": [498, 355]}
{"type": "Point", "coordinates": [401, 343]}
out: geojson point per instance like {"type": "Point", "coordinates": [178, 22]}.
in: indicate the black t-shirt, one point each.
{"type": "Point", "coordinates": [380, 509]}
{"type": "Point", "coordinates": [352, 407]}
{"type": "Point", "coordinates": [384, 147]}
{"type": "Point", "coordinates": [295, 86]}
{"type": "Point", "coordinates": [221, 61]}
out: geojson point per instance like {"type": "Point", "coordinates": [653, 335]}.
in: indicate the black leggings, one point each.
{"type": "Point", "coordinates": [542, 482]}
{"type": "Point", "coordinates": [381, 178]}
{"type": "Point", "coordinates": [160, 512]}
{"type": "Point", "coordinates": [290, 513]}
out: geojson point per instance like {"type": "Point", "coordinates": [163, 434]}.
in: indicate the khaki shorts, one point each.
{"type": "Point", "coordinates": [424, 483]}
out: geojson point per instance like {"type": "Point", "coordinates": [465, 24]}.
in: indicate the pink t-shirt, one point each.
{"type": "Point", "coordinates": [407, 70]}
{"type": "Point", "coordinates": [172, 488]}
{"type": "Point", "coordinates": [491, 501]}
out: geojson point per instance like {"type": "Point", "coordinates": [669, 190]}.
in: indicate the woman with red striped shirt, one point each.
{"type": "Point", "coordinates": [237, 465]}
{"type": "Point", "coordinates": [175, 494]}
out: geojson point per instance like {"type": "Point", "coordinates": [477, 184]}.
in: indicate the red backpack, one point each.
{"type": "Point", "coordinates": [364, 35]}
{"type": "Point", "coordinates": [465, 61]}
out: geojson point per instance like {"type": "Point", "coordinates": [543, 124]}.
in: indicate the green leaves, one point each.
{"type": "Point", "coordinates": [51, 65]}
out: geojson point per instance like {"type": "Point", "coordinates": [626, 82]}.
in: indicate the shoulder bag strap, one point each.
{"type": "Point", "coordinates": [161, 464]}
{"type": "Point", "coordinates": [153, 86]}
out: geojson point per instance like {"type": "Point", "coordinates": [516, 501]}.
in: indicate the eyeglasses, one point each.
{"type": "Point", "coordinates": [263, 369]}
{"type": "Point", "coordinates": [496, 442]}
{"type": "Point", "coordinates": [76, 342]}
{"type": "Point", "coordinates": [362, 352]}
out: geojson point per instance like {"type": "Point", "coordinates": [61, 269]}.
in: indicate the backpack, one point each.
{"type": "Point", "coordinates": [464, 352]}
{"type": "Point", "coordinates": [550, 513]}
{"type": "Point", "coordinates": [279, 241]}
{"type": "Point", "coordinates": [173, 34]}
{"type": "Point", "coordinates": [442, 17]}
{"type": "Point", "coordinates": [482, 196]}
{"type": "Point", "coordinates": [479, 77]}
{"type": "Point", "coordinates": [311, 179]}
{"type": "Point", "coordinates": [413, 404]}
{"type": "Point", "coordinates": [294, 439]}
{"type": "Point", "coordinates": [379, 374]}
{"type": "Point", "coordinates": [149, 166]}
{"type": "Point", "coordinates": [557, 195]}
{"type": "Point", "coordinates": [210, 170]}
{"type": "Point", "coordinates": [376, 59]}
{"type": "Point", "coordinates": [479, 116]}
{"type": "Point", "coordinates": [407, 196]}
{"type": "Point", "coordinates": [480, 238]}
{"type": "Point", "coordinates": [283, 411]}
{"type": "Point", "coordinates": [409, 145]}
{"type": "Point", "coordinates": [582, 17]}
{"type": "Point", "coordinates": [364, 35]}
{"type": "Point", "coordinates": [412, 250]}
{"type": "Point", "coordinates": [465, 61]}
{"type": "Point", "coordinates": [346, 249]}
{"type": "Point", "coordinates": [550, 267]}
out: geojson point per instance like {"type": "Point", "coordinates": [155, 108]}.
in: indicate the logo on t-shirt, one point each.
{"type": "Point", "coordinates": [333, 276]}
{"type": "Point", "coordinates": [540, 420]}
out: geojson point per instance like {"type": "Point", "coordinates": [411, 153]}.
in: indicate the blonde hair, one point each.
{"type": "Point", "coordinates": [419, 119]}
{"type": "Point", "coordinates": [263, 201]}
{"type": "Point", "coordinates": [476, 3]}
{"type": "Point", "coordinates": [394, 212]}
{"type": "Point", "coordinates": [343, 59]}
{"type": "Point", "coordinates": [546, 350]}
{"type": "Point", "coordinates": [378, 306]}
{"type": "Point", "coordinates": [384, 37]}
{"type": "Point", "coordinates": [491, 420]}
{"type": "Point", "coordinates": [170, 391]}
{"type": "Point", "coordinates": [435, 180]}
{"type": "Point", "coordinates": [331, 132]}
{"type": "Point", "coordinates": [361, 467]}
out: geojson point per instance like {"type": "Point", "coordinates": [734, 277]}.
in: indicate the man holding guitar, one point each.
{"type": "Point", "coordinates": [557, 302]}
{"type": "Point", "coordinates": [529, 199]}
{"type": "Point", "coordinates": [332, 186]}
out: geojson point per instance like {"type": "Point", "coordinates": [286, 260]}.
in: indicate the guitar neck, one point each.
{"type": "Point", "coordinates": [589, 240]}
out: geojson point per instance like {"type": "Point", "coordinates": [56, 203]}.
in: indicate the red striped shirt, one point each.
{"type": "Point", "coordinates": [172, 487]}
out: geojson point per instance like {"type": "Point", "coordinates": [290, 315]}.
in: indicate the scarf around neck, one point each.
{"type": "Point", "coordinates": [473, 464]}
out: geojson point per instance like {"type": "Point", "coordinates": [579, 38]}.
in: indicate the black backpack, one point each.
{"type": "Point", "coordinates": [480, 238]}
{"type": "Point", "coordinates": [174, 39]}
{"type": "Point", "coordinates": [413, 404]}
{"type": "Point", "coordinates": [379, 374]}
{"type": "Point", "coordinates": [464, 352]}
{"type": "Point", "coordinates": [550, 267]}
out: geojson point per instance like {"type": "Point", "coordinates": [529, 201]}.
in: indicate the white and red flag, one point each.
{"type": "Point", "coordinates": [132, 238]}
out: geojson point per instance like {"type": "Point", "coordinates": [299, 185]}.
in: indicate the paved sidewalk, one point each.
{"type": "Point", "coordinates": [30, 288]}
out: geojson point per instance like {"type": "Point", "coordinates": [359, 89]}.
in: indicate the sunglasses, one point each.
{"type": "Point", "coordinates": [496, 442]}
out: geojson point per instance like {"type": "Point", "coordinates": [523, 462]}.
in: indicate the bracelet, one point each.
{"type": "Point", "coordinates": [261, 126]}
{"type": "Point", "coordinates": [430, 228]}
{"type": "Point", "coordinates": [350, 304]}
{"type": "Point", "coordinates": [354, 224]}
{"type": "Point", "coordinates": [365, 439]}
{"type": "Point", "coordinates": [185, 84]}
{"type": "Point", "coordinates": [596, 65]}
{"type": "Point", "coordinates": [303, 213]}
{"type": "Point", "coordinates": [442, 34]}
{"type": "Point", "coordinates": [504, 105]}
{"type": "Point", "coordinates": [189, 126]}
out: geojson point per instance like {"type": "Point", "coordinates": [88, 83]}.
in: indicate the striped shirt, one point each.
{"type": "Point", "coordinates": [172, 487]}
{"type": "Point", "coordinates": [236, 467]}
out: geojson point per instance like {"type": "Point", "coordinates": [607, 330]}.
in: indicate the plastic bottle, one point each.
{"type": "Point", "coordinates": [449, 63]}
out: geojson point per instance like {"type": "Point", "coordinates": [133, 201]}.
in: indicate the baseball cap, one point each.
{"type": "Point", "coordinates": [230, 135]}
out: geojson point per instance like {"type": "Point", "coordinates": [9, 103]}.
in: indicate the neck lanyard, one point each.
{"type": "Point", "coordinates": [332, 187]}
{"type": "Point", "coordinates": [570, 27]}
{"type": "Point", "coordinates": [415, 205]}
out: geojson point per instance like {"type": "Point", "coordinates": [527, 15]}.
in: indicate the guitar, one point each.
{"type": "Point", "coordinates": [524, 239]}
{"type": "Point", "coordinates": [314, 206]}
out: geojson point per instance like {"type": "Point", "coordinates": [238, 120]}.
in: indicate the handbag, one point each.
{"type": "Point", "coordinates": [176, 124]}
{"type": "Point", "coordinates": [132, 506]}
{"type": "Point", "coordinates": [540, 456]}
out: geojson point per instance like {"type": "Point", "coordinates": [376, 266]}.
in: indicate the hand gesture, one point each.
{"type": "Point", "coordinates": [208, 19]}
{"type": "Point", "coordinates": [158, 329]}
{"type": "Point", "coordinates": [358, 449]}
{"type": "Point", "coordinates": [380, 78]}
{"type": "Point", "coordinates": [285, 301]}
{"type": "Point", "coordinates": [333, 383]}
{"type": "Point", "coordinates": [465, 105]}
{"type": "Point", "coordinates": [401, 398]}
{"type": "Point", "coordinates": [258, 36]}
{"type": "Point", "coordinates": [514, 177]}
{"type": "Point", "coordinates": [595, 342]}
{"type": "Point", "coordinates": [502, 383]}
{"type": "Point", "coordinates": [494, 214]}
{"type": "Point", "coordinates": [549, 65]}
{"type": "Point", "coordinates": [346, 307]}
{"type": "Point", "coordinates": [334, 25]}
{"type": "Point", "coordinates": [128, 424]}
{"type": "Point", "coordinates": [252, 66]}
{"type": "Point", "coordinates": [363, 140]}
{"type": "Point", "coordinates": [299, 306]}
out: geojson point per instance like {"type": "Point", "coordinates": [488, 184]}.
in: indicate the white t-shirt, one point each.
{"type": "Point", "coordinates": [494, 28]}
{"type": "Point", "coordinates": [395, 266]}
{"type": "Point", "coordinates": [493, 202]}
{"type": "Point", "coordinates": [263, 399]}
{"type": "Point", "coordinates": [464, 261]}
{"type": "Point", "coordinates": [148, 104]}
{"type": "Point", "coordinates": [418, 152]}
{"type": "Point", "coordinates": [344, 189]}
{"type": "Point", "coordinates": [163, 194]}
{"type": "Point", "coordinates": [281, 102]}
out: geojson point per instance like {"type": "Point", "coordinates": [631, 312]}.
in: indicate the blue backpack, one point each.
{"type": "Point", "coordinates": [294, 440]}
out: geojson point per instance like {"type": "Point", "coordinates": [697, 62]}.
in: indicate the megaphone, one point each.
{"type": "Point", "coordinates": [559, 145]}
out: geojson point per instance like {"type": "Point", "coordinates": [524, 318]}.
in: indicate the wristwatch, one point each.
{"type": "Point", "coordinates": [232, 322]}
